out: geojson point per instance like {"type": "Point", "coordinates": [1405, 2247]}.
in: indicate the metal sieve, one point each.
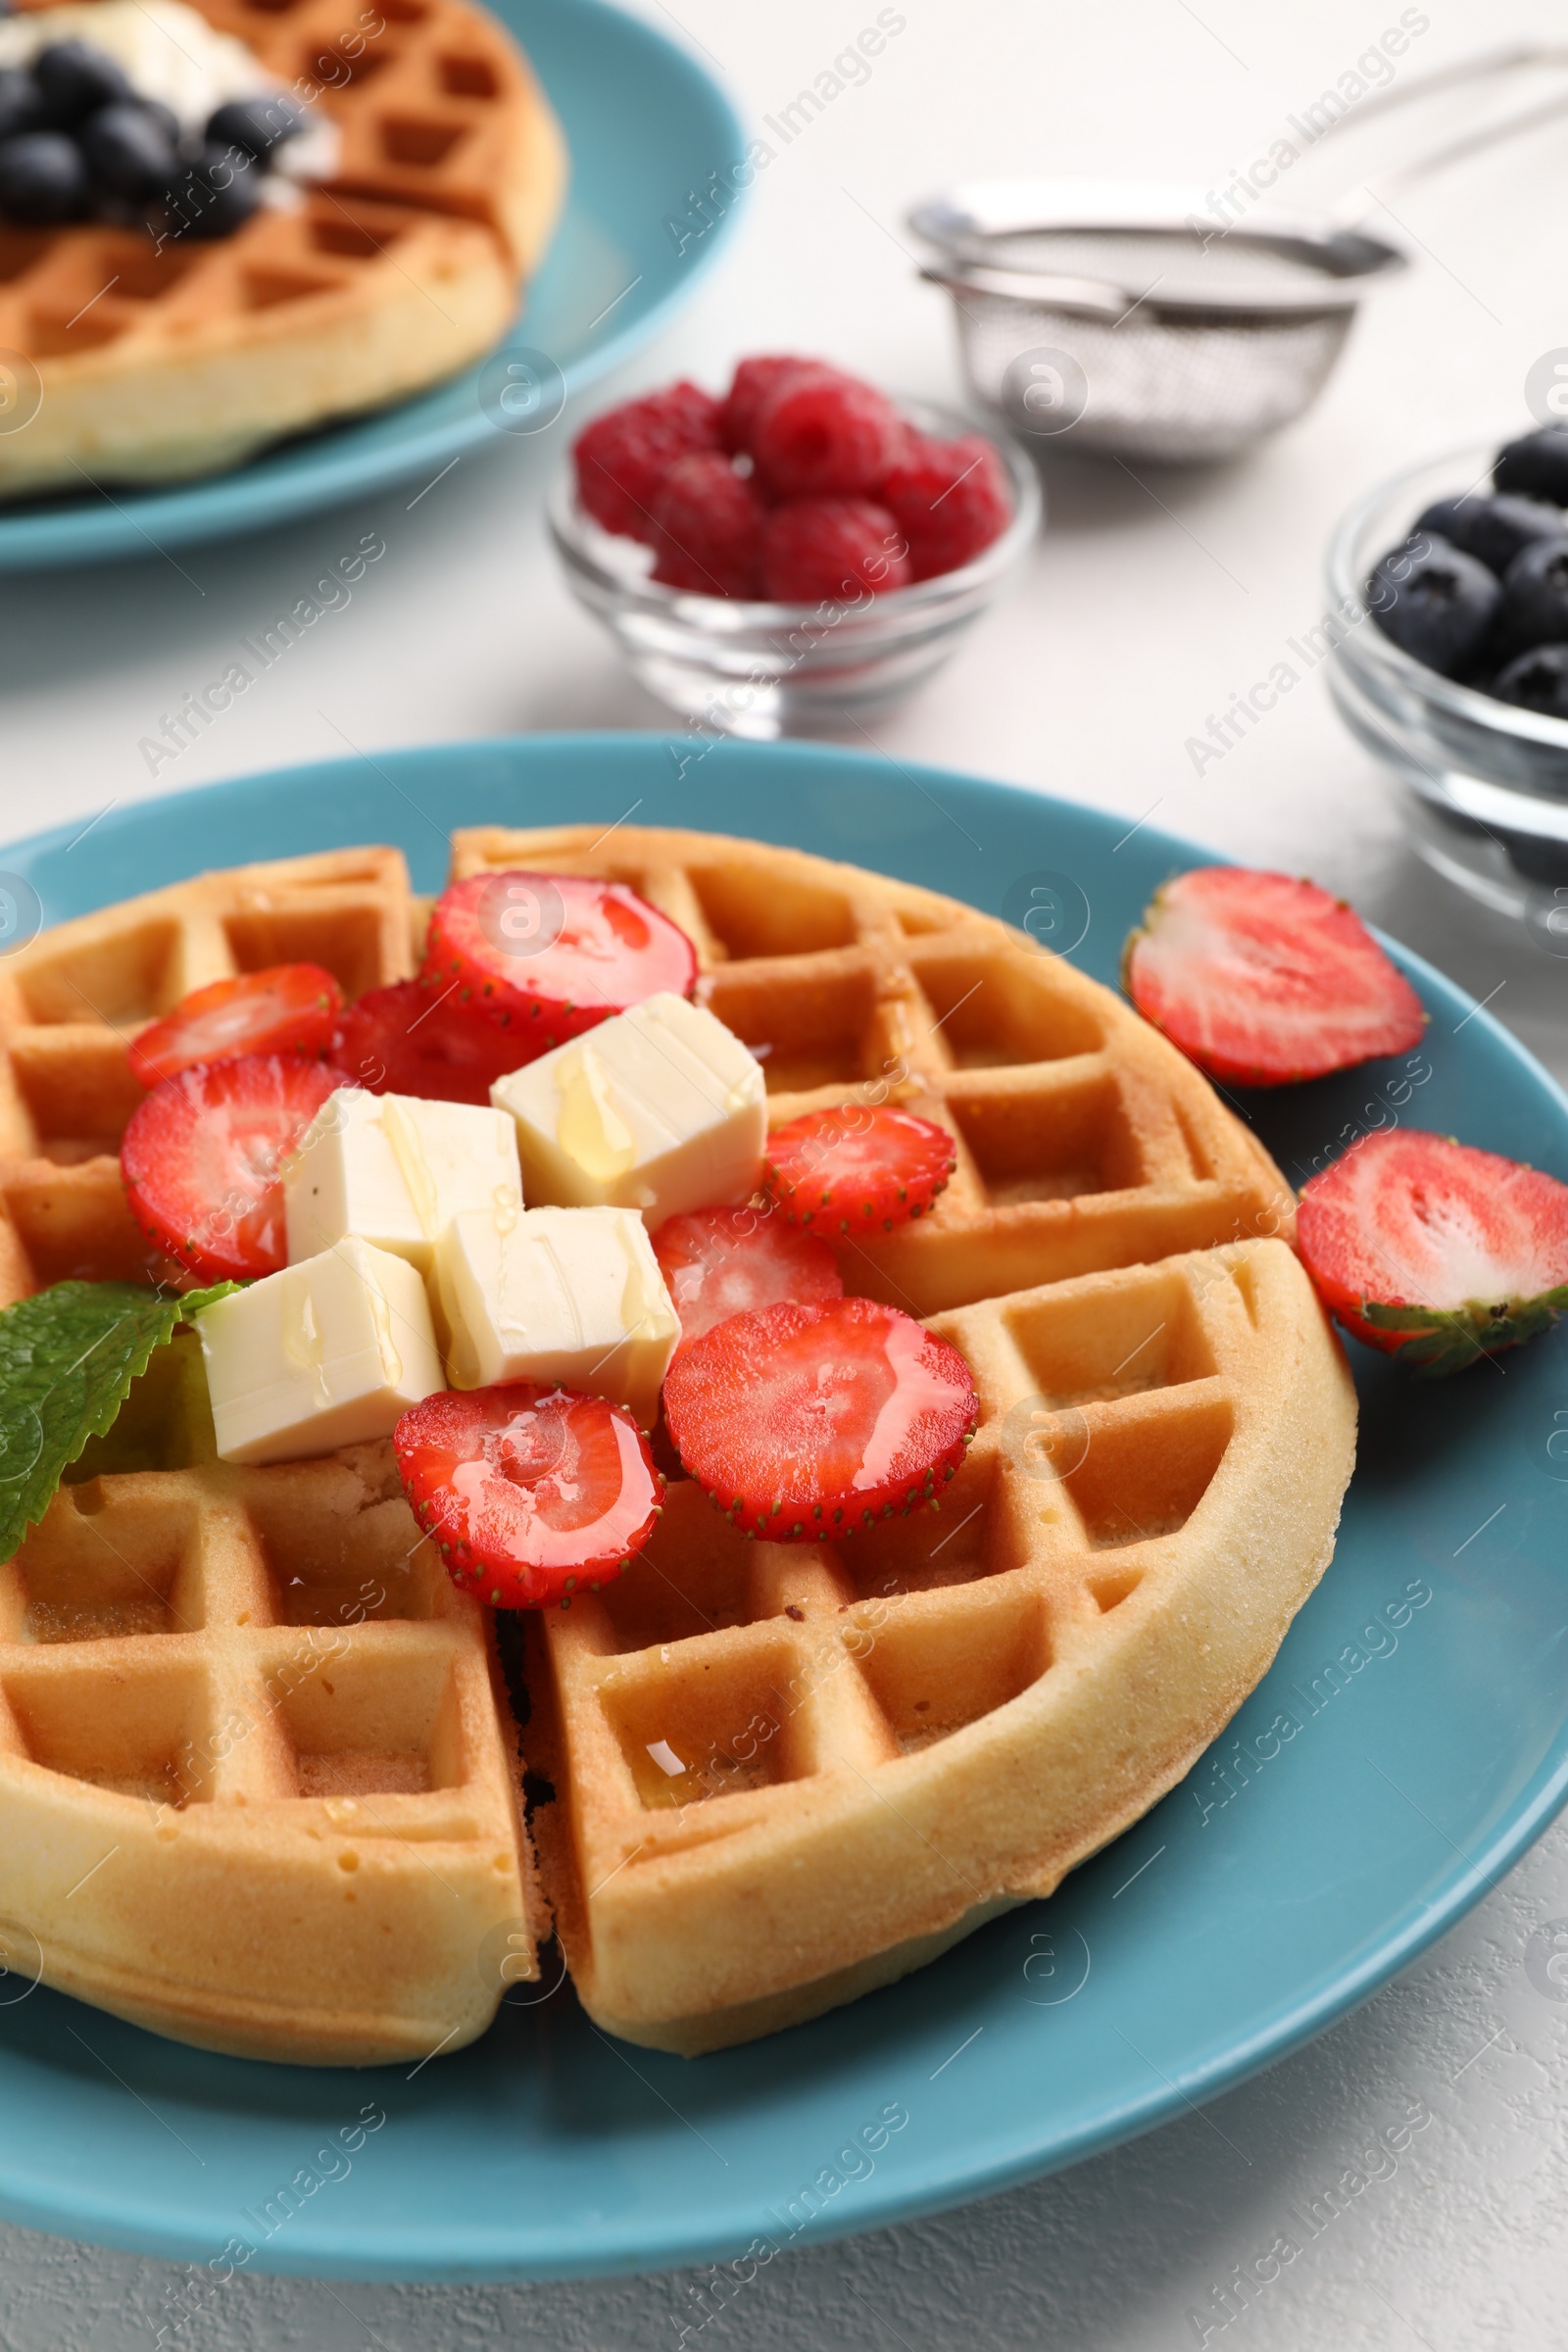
{"type": "Point", "coordinates": [1139, 320]}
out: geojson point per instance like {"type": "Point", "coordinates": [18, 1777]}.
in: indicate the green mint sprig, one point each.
{"type": "Point", "coordinates": [68, 1358]}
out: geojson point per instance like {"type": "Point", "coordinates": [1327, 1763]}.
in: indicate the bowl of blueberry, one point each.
{"type": "Point", "coordinates": [797, 553]}
{"type": "Point", "coordinates": [1450, 622]}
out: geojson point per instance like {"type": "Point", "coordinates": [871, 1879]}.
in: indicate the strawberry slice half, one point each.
{"type": "Point", "coordinates": [532, 1493]}
{"type": "Point", "coordinates": [809, 1423]}
{"type": "Point", "coordinates": [1264, 980]}
{"type": "Point", "coordinates": [1436, 1251]}
{"type": "Point", "coordinates": [410, 1040]}
{"type": "Point", "coordinates": [549, 955]}
{"type": "Point", "coordinates": [201, 1155]}
{"type": "Point", "coordinates": [858, 1167]}
{"type": "Point", "coordinates": [288, 1008]}
{"type": "Point", "coordinates": [719, 1262]}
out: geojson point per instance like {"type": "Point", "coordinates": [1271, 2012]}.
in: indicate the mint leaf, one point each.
{"type": "Point", "coordinates": [68, 1358]}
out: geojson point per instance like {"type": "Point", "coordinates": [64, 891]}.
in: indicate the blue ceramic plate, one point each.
{"type": "Point", "coordinates": [1287, 1879]}
{"type": "Point", "coordinates": [645, 125]}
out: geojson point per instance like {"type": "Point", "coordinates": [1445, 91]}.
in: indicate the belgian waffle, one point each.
{"type": "Point", "coordinates": [156, 363]}
{"type": "Point", "coordinates": [787, 1774]}
{"type": "Point", "coordinates": [259, 1788]}
{"type": "Point", "coordinates": [783, 1773]}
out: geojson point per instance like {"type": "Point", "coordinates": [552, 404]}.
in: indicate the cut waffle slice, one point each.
{"type": "Point", "coordinates": [160, 362]}
{"type": "Point", "coordinates": [255, 1789]}
{"type": "Point", "coordinates": [72, 1001]}
{"type": "Point", "coordinates": [787, 1774]}
{"type": "Point", "coordinates": [1083, 1138]}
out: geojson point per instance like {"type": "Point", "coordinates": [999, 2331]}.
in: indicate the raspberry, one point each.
{"type": "Point", "coordinates": [623, 456]}
{"type": "Point", "coordinates": [820, 434]}
{"type": "Point", "coordinates": [950, 499]}
{"type": "Point", "coordinates": [707, 527]}
{"type": "Point", "coordinates": [754, 383]}
{"type": "Point", "coordinates": [817, 548]}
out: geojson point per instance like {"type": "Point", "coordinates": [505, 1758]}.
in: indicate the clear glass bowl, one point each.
{"type": "Point", "coordinates": [763, 671]}
{"type": "Point", "coordinates": [1485, 785]}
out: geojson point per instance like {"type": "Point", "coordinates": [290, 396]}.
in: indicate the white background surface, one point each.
{"type": "Point", "coordinates": [1149, 605]}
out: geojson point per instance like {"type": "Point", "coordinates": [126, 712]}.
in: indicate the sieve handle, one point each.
{"type": "Point", "coordinates": [1352, 208]}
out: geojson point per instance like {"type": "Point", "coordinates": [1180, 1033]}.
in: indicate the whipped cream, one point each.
{"type": "Point", "coordinates": [170, 53]}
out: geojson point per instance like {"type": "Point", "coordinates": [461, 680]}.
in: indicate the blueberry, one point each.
{"type": "Point", "coordinates": [256, 125]}
{"type": "Point", "coordinates": [1537, 681]}
{"type": "Point", "coordinates": [1535, 597]}
{"type": "Point", "coordinates": [1434, 602]}
{"type": "Point", "coordinates": [129, 151]}
{"type": "Point", "coordinates": [216, 195]}
{"type": "Point", "coordinates": [43, 180]}
{"type": "Point", "coordinates": [1536, 467]}
{"type": "Point", "coordinates": [165, 117]}
{"type": "Point", "coordinates": [1493, 529]}
{"type": "Point", "coordinates": [75, 80]}
{"type": "Point", "coordinates": [20, 108]}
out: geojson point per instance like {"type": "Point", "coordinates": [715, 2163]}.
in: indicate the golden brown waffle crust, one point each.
{"type": "Point", "coordinates": [159, 365]}
{"type": "Point", "coordinates": [891, 1739]}
{"type": "Point", "coordinates": [1097, 1669]}
{"type": "Point", "coordinates": [258, 1782]}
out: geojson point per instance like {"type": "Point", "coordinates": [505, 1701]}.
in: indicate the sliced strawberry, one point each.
{"type": "Point", "coordinates": [857, 1168]}
{"type": "Point", "coordinates": [1263, 980]}
{"type": "Point", "coordinates": [719, 1262]}
{"type": "Point", "coordinates": [412, 1040]}
{"type": "Point", "coordinates": [531, 1493]}
{"type": "Point", "coordinates": [1434, 1250]}
{"type": "Point", "coordinates": [200, 1156]}
{"type": "Point", "coordinates": [551, 955]}
{"type": "Point", "coordinates": [808, 1423]}
{"type": "Point", "coordinates": [289, 1008]}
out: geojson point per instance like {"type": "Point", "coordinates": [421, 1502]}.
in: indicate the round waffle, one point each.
{"type": "Point", "coordinates": [783, 1773]}
{"type": "Point", "coordinates": [156, 363]}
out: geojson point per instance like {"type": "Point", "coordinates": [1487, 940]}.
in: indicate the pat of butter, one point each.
{"type": "Point", "coordinates": [659, 1109]}
{"type": "Point", "coordinates": [571, 1298]}
{"type": "Point", "coordinates": [454, 1156]}
{"type": "Point", "coordinates": [392, 1169]}
{"type": "Point", "coordinates": [324, 1354]}
{"type": "Point", "coordinates": [344, 1179]}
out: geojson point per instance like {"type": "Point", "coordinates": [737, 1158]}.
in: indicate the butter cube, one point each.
{"type": "Point", "coordinates": [572, 1298]}
{"type": "Point", "coordinates": [324, 1354]}
{"type": "Point", "coordinates": [659, 1109]}
{"type": "Point", "coordinates": [344, 1179]}
{"type": "Point", "coordinates": [392, 1169]}
{"type": "Point", "coordinates": [454, 1156]}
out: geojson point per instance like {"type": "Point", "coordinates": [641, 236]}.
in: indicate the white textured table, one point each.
{"type": "Point", "coordinates": [1149, 606]}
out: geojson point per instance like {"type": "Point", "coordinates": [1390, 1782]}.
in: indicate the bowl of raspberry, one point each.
{"type": "Point", "coordinates": [1447, 631]}
{"type": "Point", "coordinates": [795, 555]}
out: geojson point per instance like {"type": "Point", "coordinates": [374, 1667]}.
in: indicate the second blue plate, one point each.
{"type": "Point", "coordinates": [644, 124]}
